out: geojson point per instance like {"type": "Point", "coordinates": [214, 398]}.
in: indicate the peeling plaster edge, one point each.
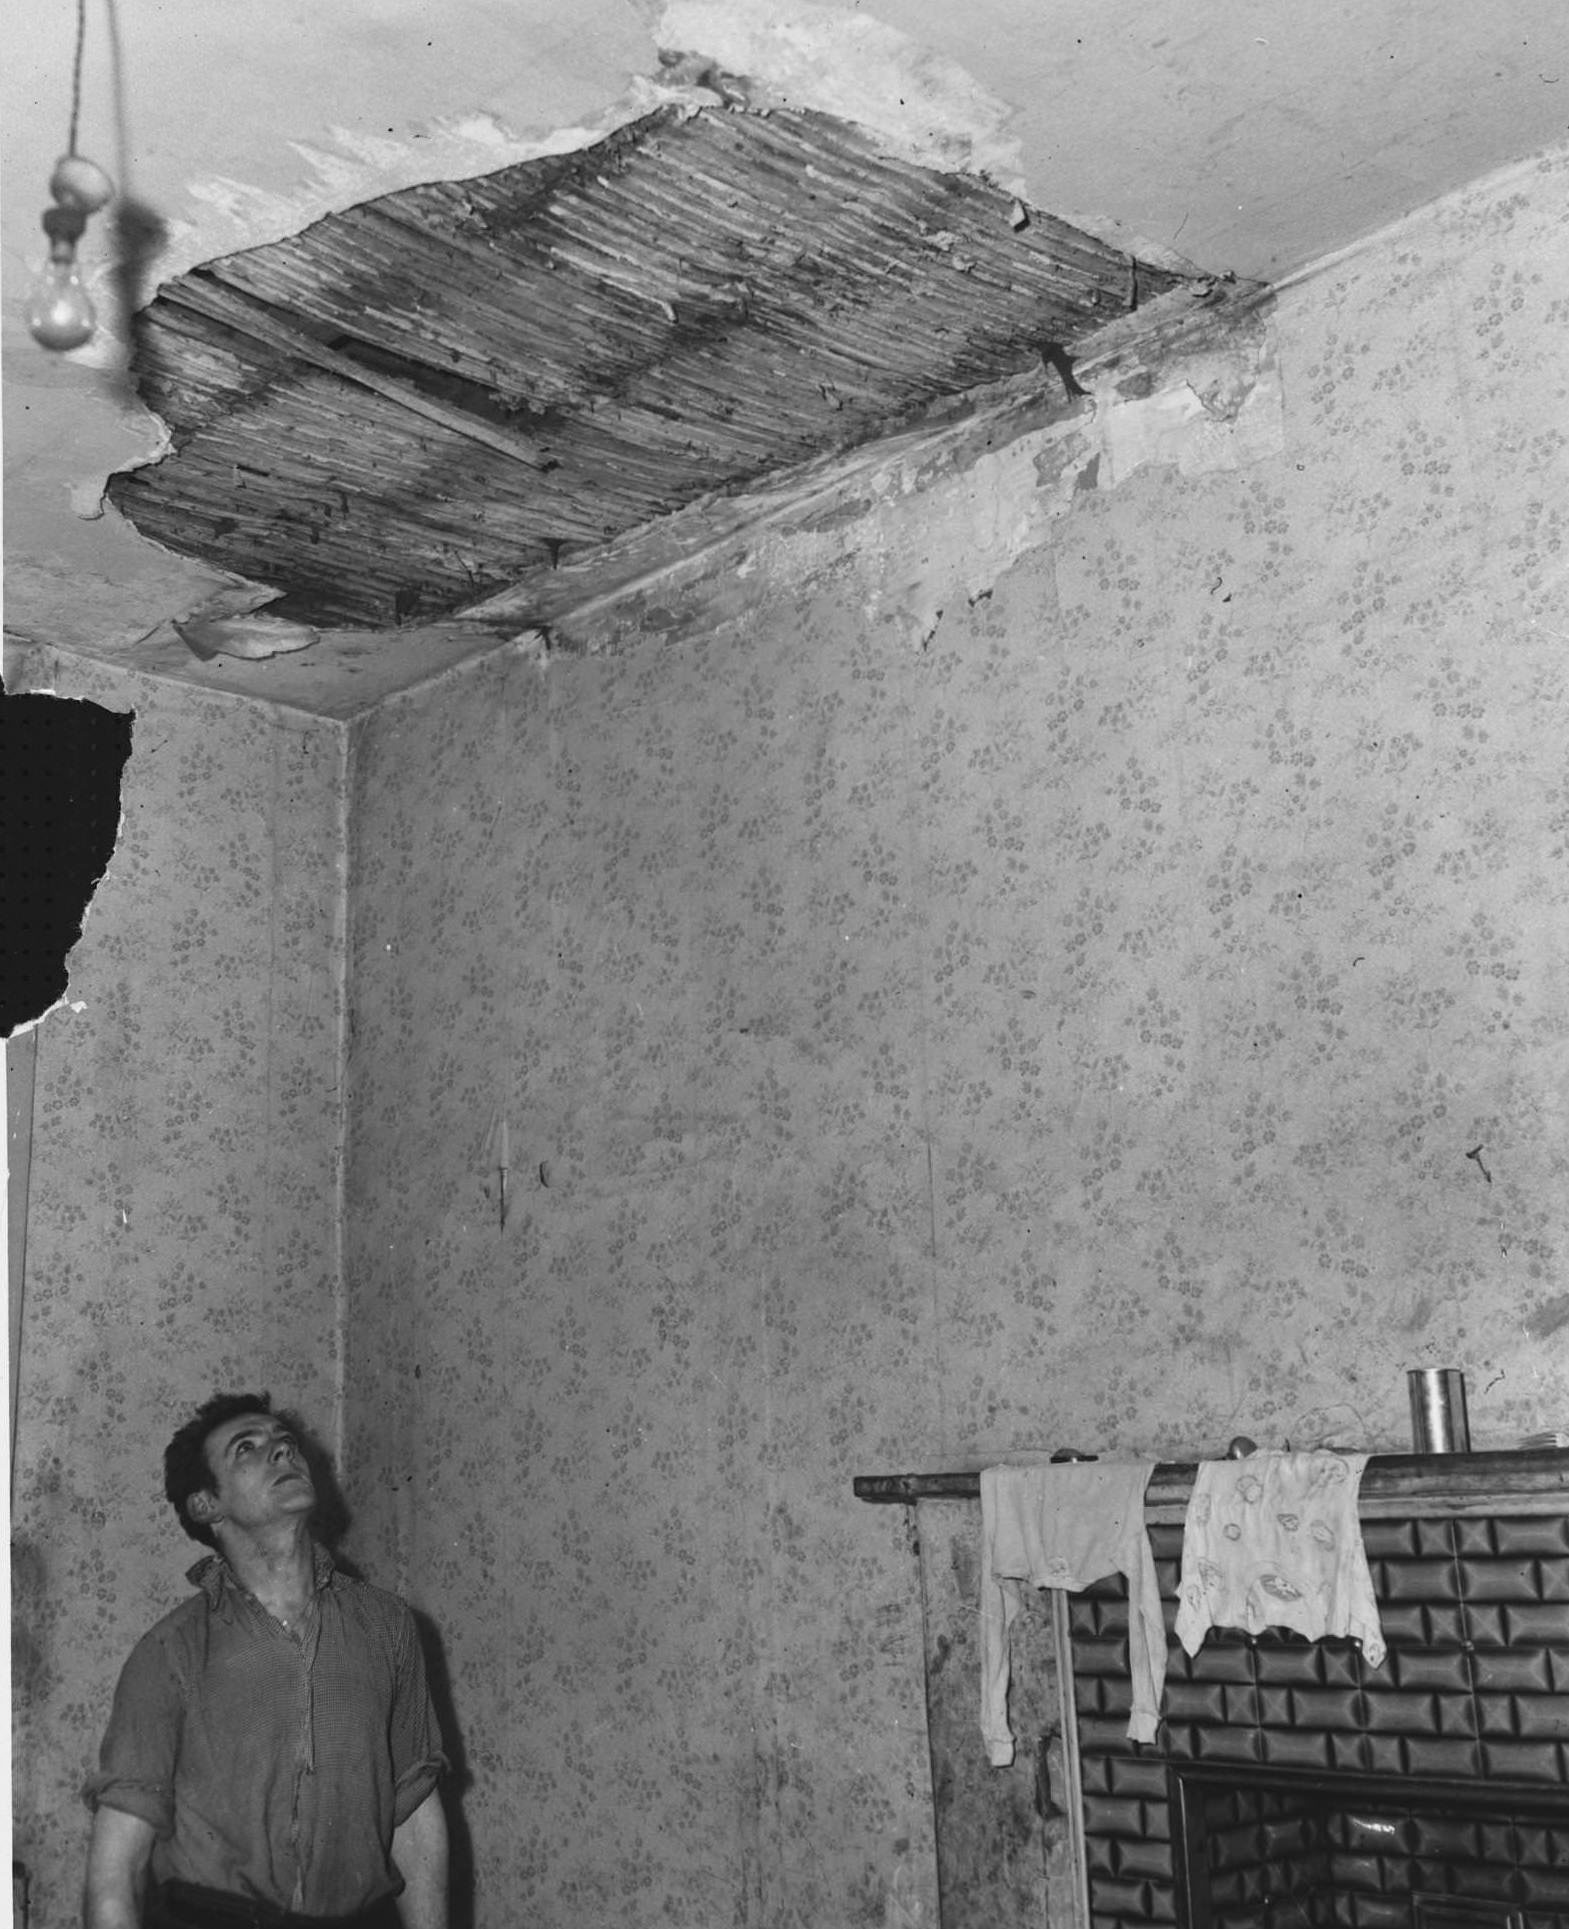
{"type": "Point", "coordinates": [1160, 339]}
{"type": "Point", "coordinates": [901, 464]}
{"type": "Point", "coordinates": [1017, 420]}
{"type": "Point", "coordinates": [796, 55]}
{"type": "Point", "coordinates": [27, 1029]}
{"type": "Point", "coordinates": [226, 216]}
{"type": "Point", "coordinates": [28, 655]}
{"type": "Point", "coordinates": [911, 101]}
{"type": "Point", "coordinates": [64, 1002]}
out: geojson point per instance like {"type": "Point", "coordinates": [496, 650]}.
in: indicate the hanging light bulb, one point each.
{"type": "Point", "coordinates": [58, 311]}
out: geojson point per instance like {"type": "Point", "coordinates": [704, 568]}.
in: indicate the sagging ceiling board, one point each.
{"type": "Point", "coordinates": [420, 401]}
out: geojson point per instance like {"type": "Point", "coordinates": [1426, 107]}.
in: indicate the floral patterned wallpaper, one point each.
{"type": "Point", "coordinates": [183, 1211]}
{"type": "Point", "coordinates": [1125, 1010]}
{"type": "Point", "coordinates": [1130, 1014]}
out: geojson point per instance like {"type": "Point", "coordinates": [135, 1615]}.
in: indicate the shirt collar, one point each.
{"type": "Point", "coordinates": [214, 1576]}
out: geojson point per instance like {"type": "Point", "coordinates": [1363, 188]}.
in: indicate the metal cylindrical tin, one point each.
{"type": "Point", "coordinates": [1438, 1415]}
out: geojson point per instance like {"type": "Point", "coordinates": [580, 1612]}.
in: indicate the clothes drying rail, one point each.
{"type": "Point", "coordinates": [1534, 1481]}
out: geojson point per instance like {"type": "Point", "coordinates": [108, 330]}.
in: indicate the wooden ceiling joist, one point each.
{"type": "Point", "coordinates": [411, 403]}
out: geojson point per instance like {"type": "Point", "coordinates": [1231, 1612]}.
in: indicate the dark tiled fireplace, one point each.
{"type": "Point", "coordinates": [1280, 1849]}
{"type": "Point", "coordinates": [1292, 1784]}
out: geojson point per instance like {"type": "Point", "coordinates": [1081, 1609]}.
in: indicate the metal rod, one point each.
{"type": "Point", "coordinates": [1535, 1482]}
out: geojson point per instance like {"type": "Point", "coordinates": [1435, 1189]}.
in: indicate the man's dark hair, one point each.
{"type": "Point", "coordinates": [186, 1469]}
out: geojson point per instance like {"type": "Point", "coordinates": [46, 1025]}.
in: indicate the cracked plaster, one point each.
{"type": "Point", "coordinates": [80, 576]}
{"type": "Point", "coordinates": [965, 507]}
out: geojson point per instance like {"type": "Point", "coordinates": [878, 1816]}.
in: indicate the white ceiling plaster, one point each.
{"type": "Point", "coordinates": [922, 105]}
{"type": "Point", "coordinates": [1250, 135]}
{"type": "Point", "coordinates": [1256, 135]}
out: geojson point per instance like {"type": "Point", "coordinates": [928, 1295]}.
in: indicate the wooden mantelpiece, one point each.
{"type": "Point", "coordinates": [1406, 1485]}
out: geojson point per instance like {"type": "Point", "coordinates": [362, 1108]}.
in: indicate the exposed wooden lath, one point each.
{"type": "Point", "coordinates": [414, 403]}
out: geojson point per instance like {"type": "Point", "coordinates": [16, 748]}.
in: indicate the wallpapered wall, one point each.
{"type": "Point", "coordinates": [182, 1226]}
{"type": "Point", "coordinates": [1130, 1012]}
{"type": "Point", "coordinates": [1133, 1015]}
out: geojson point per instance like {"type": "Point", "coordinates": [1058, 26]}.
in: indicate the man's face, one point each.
{"type": "Point", "coordinates": [258, 1472]}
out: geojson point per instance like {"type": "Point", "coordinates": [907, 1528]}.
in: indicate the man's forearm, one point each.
{"type": "Point", "coordinates": [116, 1870]}
{"type": "Point", "coordinates": [419, 1854]}
{"type": "Point", "coordinates": [112, 1906]}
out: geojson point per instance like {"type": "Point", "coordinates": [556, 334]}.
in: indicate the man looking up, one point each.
{"type": "Point", "coordinates": [272, 1756]}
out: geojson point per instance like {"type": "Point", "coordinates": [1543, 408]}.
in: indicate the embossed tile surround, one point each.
{"type": "Point", "coordinates": [1474, 1690]}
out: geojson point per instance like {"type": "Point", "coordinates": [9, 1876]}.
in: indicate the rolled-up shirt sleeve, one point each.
{"type": "Point", "coordinates": [418, 1759]}
{"type": "Point", "coordinates": [136, 1761]}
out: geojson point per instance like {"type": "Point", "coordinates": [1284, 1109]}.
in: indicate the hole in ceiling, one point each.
{"type": "Point", "coordinates": [418, 402]}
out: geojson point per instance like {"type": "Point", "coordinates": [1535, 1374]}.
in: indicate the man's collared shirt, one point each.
{"type": "Point", "coordinates": [275, 1763]}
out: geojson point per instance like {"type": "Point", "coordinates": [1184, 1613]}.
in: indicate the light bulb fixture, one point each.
{"type": "Point", "coordinates": [58, 310]}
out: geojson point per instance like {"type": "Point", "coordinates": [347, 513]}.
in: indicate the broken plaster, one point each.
{"type": "Point", "coordinates": [919, 105]}
{"type": "Point", "coordinates": [344, 171]}
{"type": "Point", "coordinates": [1217, 408]}
{"type": "Point", "coordinates": [63, 826]}
{"type": "Point", "coordinates": [931, 519]}
{"type": "Point", "coordinates": [1224, 412]}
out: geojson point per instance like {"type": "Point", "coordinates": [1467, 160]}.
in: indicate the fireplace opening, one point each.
{"type": "Point", "coordinates": [1263, 1848]}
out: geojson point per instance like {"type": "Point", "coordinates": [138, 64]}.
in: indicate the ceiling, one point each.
{"type": "Point", "coordinates": [458, 304]}
{"type": "Point", "coordinates": [708, 297]}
